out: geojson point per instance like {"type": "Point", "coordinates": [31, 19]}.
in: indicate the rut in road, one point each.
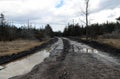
{"type": "Point", "coordinates": [71, 63]}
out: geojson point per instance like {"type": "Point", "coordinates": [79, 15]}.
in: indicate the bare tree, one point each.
{"type": "Point", "coordinates": [85, 13]}
{"type": "Point", "coordinates": [86, 16]}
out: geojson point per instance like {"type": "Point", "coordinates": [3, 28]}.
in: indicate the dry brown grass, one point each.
{"type": "Point", "coordinates": [112, 42]}
{"type": "Point", "coordinates": [13, 47]}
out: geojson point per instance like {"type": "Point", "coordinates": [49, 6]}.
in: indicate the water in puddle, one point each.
{"type": "Point", "coordinates": [22, 66]}
{"type": "Point", "coordinates": [88, 50]}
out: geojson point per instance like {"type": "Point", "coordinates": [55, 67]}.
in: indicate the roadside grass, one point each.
{"type": "Point", "coordinates": [14, 47]}
{"type": "Point", "coordinates": [112, 42]}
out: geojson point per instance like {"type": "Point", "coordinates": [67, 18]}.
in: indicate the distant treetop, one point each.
{"type": "Point", "coordinates": [118, 19]}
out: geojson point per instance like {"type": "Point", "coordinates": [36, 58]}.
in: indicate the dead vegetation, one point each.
{"type": "Point", "coordinates": [112, 42]}
{"type": "Point", "coordinates": [13, 47]}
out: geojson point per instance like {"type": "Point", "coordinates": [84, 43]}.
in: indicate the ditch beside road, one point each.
{"type": "Point", "coordinates": [21, 63]}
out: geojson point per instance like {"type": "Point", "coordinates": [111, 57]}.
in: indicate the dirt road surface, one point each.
{"type": "Point", "coordinates": [73, 60]}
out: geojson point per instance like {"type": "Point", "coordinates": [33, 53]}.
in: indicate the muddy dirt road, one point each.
{"type": "Point", "coordinates": [73, 60]}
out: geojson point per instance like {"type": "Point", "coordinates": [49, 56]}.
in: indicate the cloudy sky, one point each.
{"type": "Point", "coordinates": [58, 13]}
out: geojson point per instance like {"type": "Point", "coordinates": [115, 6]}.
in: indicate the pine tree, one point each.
{"type": "Point", "coordinates": [48, 31]}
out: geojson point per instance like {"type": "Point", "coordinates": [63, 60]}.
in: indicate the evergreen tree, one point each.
{"type": "Point", "coordinates": [48, 31]}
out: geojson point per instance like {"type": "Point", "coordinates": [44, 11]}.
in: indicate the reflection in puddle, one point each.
{"type": "Point", "coordinates": [88, 50]}
{"type": "Point", "coordinates": [83, 49]}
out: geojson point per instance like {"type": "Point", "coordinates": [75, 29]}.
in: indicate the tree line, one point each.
{"type": "Point", "coordinates": [94, 30]}
{"type": "Point", "coordinates": [11, 32]}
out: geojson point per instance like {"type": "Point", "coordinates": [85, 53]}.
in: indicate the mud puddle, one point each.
{"type": "Point", "coordinates": [22, 66]}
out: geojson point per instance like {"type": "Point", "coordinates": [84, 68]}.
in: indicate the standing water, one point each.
{"type": "Point", "coordinates": [23, 66]}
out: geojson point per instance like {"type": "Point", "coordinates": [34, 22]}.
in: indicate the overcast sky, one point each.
{"type": "Point", "coordinates": [58, 13]}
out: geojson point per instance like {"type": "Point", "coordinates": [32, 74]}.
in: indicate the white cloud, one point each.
{"type": "Point", "coordinates": [105, 15]}
{"type": "Point", "coordinates": [45, 11]}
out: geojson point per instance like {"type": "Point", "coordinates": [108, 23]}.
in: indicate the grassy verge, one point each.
{"type": "Point", "coordinates": [112, 42]}
{"type": "Point", "coordinates": [13, 47]}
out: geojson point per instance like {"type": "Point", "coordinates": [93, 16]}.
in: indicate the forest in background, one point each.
{"type": "Point", "coordinates": [11, 32]}
{"type": "Point", "coordinates": [106, 30]}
